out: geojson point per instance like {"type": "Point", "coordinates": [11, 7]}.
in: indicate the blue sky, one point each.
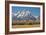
{"type": "Point", "coordinates": [35, 10]}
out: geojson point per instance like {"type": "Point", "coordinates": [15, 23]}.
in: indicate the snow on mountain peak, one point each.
{"type": "Point", "coordinates": [26, 15]}
{"type": "Point", "coordinates": [21, 14]}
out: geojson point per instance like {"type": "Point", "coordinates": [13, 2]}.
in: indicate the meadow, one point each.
{"type": "Point", "coordinates": [26, 24]}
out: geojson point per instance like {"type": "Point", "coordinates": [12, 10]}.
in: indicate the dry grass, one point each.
{"type": "Point", "coordinates": [25, 26]}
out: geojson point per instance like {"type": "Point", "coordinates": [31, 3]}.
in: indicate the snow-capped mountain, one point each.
{"type": "Point", "coordinates": [38, 19]}
{"type": "Point", "coordinates": [23, 15]}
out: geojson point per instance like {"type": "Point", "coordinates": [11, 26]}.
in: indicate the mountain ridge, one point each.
{"type": "Point", "coordinates": [23, 15]}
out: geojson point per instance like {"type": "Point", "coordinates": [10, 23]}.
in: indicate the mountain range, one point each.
{"type": "Point", "coordinates": [23, 15]}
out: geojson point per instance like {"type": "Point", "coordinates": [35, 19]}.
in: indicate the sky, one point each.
{"type": "Point", "coordinates": [34, 10]}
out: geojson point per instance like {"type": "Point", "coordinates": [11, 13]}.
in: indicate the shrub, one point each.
{"type": "Point", "coordinates": [30, 23]}
{"type": "Point", "coordinates": [36, 23]}
{"type": "Point", "coordinates": [17, 23]}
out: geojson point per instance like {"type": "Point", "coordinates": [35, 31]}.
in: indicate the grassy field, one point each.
{"type": "Point", "coordinates": [25, 26]}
